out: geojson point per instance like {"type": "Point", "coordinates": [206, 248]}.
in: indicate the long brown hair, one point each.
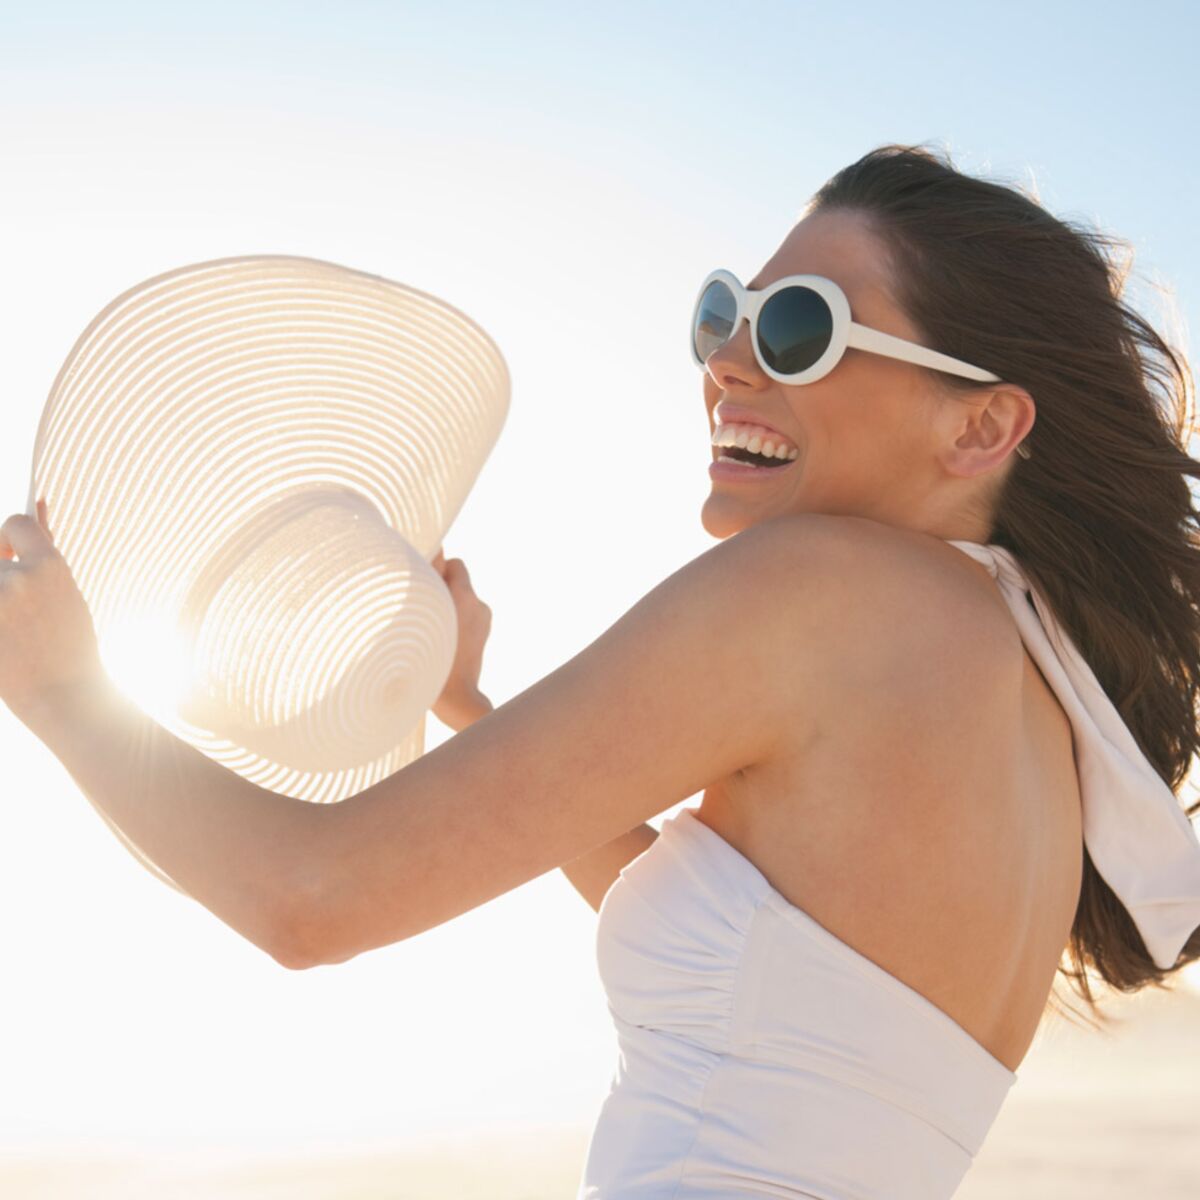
{"type": "Point", "coordinates": [1100, 514]}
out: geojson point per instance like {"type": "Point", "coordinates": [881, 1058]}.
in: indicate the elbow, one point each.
{"type": "Point", "coordinates": [286, 957]}
{"type": "Point", "coordinates": [292, 948]}
{"type": "Point", "coordinates": [300, 954]}
{"type": "Point", "coordinates": [303, 933]}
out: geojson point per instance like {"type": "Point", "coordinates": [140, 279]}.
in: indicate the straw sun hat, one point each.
{"type": "Point", "coordinates": [251, 463]}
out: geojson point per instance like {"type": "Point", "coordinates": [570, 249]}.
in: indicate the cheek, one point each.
{"type": "Point", "coordinates": [861, 439]}
{"type": "Point", "coordinates": [838, 425]}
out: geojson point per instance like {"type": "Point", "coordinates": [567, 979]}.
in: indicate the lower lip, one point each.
{"type": "Point", "coordinates": [739, 471]}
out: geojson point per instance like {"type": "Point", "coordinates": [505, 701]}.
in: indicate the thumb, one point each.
{"type": "Point", "coordinates": [26, 538]}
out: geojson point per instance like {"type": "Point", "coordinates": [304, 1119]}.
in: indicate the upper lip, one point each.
{"type": "Point", "coordinates": [730, 414]}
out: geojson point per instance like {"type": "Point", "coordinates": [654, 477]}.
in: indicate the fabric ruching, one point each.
{"type": "Point", "coordinates": [760, 1055]}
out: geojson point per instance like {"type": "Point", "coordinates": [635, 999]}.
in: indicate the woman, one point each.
{"type": "Point", "coordinates": [825, 977]}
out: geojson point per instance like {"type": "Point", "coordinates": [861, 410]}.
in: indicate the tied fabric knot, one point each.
{"type": "Point", "coordinates": [1139, 838]}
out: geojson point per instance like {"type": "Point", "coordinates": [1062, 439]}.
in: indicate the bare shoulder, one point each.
{"type": "Point", "coordinates": [899, 674]}
{"type": "Point", "coordinates": [934, 777]}
{"type": "Point", "coordinates": [889, 604]}
{"type": "Point", "coordinates": [914, 695]}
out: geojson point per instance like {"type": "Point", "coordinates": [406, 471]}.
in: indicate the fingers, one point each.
{"type": "Point", "coordinates": [11, 544]}
{"type": "Point", "coordinates": [42, 512]}
{"type": "Point", "coordinates": [449, 568]}
{"type": "Point", "coordinates": [457, 578]}
{"type": "Point", "coordinates": [23, 537]}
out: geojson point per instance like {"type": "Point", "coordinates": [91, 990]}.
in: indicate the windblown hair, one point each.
{"type": "Point", "coordinates": [1100, 515]}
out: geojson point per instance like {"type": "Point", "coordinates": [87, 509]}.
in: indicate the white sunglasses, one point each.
{"type": "Point", "coordinates": [800, 327]}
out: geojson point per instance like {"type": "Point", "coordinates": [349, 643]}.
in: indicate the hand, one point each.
{"type": "Point", "coordinates": [461, 700]}
{"type": "Point", "coordinates": [47, 639]}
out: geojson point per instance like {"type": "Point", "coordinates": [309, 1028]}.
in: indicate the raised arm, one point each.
{"type": "Point", "coordinates": [705, 675]}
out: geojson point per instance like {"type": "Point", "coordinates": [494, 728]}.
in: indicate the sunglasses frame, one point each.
{"type": "Point", "coordinates": [846, 332]}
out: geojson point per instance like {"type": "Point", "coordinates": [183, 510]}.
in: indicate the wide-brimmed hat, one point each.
{"type": "Point", "coordinates": [250, 463]}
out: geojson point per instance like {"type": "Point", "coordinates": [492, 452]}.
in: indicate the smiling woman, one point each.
{"type": "Point", "coordinates": [918, 791]}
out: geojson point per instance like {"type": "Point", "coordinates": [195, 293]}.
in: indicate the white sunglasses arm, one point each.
{"type": "Point", "coordinates": [875, 342]}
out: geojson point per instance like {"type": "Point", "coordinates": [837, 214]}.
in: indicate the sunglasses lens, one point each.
{"type": "Point", "coordinates": [712, 322]}
{"type": "Point", "coordinates": [794, 329]}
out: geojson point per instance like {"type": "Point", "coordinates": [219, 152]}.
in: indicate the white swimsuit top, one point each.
{"type": "Point", "coordinates": [760, 1055]}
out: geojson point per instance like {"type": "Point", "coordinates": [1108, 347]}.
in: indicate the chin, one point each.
{"type": "Point", "coordinates": [721, 519]}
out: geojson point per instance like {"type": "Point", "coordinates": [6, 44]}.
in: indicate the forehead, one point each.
{"type": "Point", "coordinates": [842, 246]}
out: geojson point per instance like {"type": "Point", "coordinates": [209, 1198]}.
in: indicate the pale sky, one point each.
{"type": "Point", "coordinates": [567, 178]}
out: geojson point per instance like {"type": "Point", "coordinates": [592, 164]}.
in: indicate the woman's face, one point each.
{"type": "Point", "coordinates": [875, 437]}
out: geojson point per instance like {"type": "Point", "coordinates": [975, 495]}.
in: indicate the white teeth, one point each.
{"type": "Point", "coordinates": [756, 440]}
{"type": "Point", "coordinates": [749, 437]}
{"type": "Point", "coordinates": [727, 458]}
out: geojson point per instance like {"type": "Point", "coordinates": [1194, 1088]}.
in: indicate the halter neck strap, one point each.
{"type": "Point", "coordinates": [1139, 838]}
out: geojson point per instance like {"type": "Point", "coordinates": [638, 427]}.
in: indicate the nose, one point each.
{"type": "Point", "coordinates": [733, 363]}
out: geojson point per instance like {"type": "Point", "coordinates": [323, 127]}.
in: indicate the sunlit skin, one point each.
{"type": "Point", "coordinates": [851, 697]}
{"type": "Point", "coordinates": [877, 437]}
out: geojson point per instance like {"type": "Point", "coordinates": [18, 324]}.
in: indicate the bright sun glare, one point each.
{"type": "Point", "coordinates": [147, 660]}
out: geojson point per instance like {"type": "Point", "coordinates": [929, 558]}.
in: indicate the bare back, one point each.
{"type": "Point", "coordinates": [945, 847]}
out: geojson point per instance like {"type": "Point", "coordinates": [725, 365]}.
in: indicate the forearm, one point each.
{"type": "Point", "coordinates": [593, 873]}
{"type": "Point", "coordinates": [242, 851]}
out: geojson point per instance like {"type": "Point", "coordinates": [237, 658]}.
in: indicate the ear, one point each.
{"type": "Point", "coordinates": [984, 426]}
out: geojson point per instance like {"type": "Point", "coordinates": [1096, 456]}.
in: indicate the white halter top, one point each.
{"type": "Point", "coordinates": [760, 1055]}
